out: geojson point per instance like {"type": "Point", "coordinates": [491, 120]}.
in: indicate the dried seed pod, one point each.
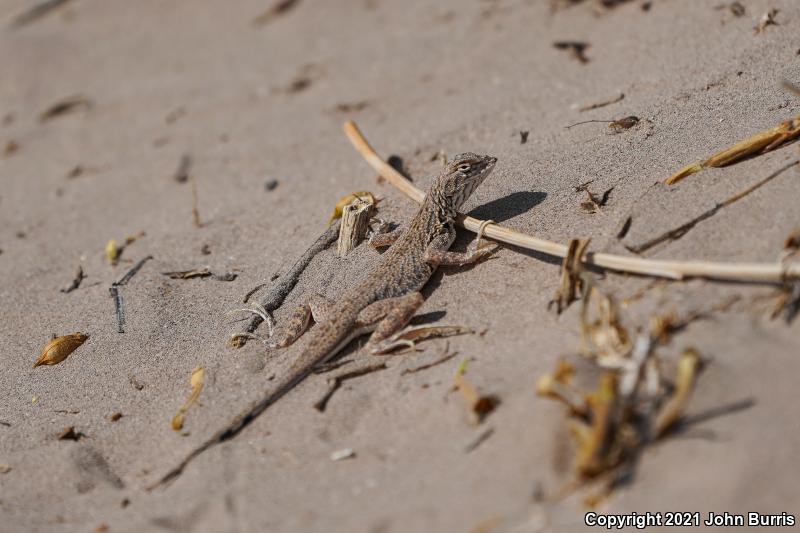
{"type": "Point", "coordinates": [59, 349]}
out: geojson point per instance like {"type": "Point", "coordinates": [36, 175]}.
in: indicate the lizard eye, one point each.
{"type": "Point", "coordinates": [464, 167]}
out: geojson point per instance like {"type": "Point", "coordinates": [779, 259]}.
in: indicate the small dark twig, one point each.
{"type": "Point", "coordinates": [115, 294]}
{"type": "Point", "coordinates": [287, 281]}
{"type": "Point", "coordinates": [76, 282]}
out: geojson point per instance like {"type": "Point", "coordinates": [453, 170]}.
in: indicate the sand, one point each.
{"type": "Point", "coordinates": [250, 104]}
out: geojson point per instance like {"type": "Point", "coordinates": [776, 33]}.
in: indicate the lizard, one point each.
{"type": "Point", "coordinates": [385, 300]}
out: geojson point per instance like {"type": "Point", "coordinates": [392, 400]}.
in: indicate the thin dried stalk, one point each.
{"type": "Point", "coordinates": [743, 272]}
{"type": "Point", "coordinates": [759, 143]}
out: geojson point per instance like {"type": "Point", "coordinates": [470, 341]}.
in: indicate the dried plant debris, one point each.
{"type": "Point", "coordinates": [365, 366]}
{"type": "Point", "coordinates": [62, 107]}
{"type": "Point", "coordinates": [117, 297]}
{"type": "Point", "coordinates": [114, 251]}
{"type": "Point", "coordinates": [571, 275]}
{"type": "Point", "coordinates": [611, 424]}
{"type": "Point", "coordinates": [446, 356]}
{"type": "Point", "coordinates": [340, 455]}
{"type": "Point", "coordinates": [204, 272]}
{"type": "Point", "coordinates": [352, 107]}
{"type": "Point", "coordinates": [523, 136]}
{"type": "Point", "coordinates": [479, 405]}
{"type": "Point", "coordinates": [577, 49]}
{"type": "Point", "coordinates": [767, 19]}
{"type": "Point", "coordinates": [39, 9]}
{"type": "Point", "coordinates": [70, 433]}
{"type": "Point", "coordinates": [195, 209]}
{"type": "Point", "coordinates": [683, 229]}
{"type": "Point", "coordinates": [270, 185]}
{"type": "Point", "coordinates": [59, 348]}
{"type": "Point", "coordinates": [602, 103]}
{"type": "Point", "coordinates": [182, 173]}
{"type": "Point", "coordinates": [196, 381]}
{"type": "Point", "coordinates": [115, 416]}
{"type": "Point", "coordinates": [344, 201]}
{"type": "Point", "coordinates": [593, 202]}
{"type": "Point", "coordinates": [353, 226]}
{"type": "Point", "coordinates": [758, 144]}
{"type": "Point", "coordinates": [281, 7]}
{"type": "Point", "coordinates": [4, 468]}
{"type": "Point", "coordinates": [76, 280]}
{"type": "Point", "coordinates": [735, 8]}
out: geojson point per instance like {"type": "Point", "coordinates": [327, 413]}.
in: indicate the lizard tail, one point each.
{"type": "Point", "coordinates": [327, 339]}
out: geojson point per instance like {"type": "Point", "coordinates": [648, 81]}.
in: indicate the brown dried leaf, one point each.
{"type": "Point", "coordinates": [196, 381]}
{"type": "Point", "coordinates": [59, 349]}
{"type": "Point", "coordinates": [4, 468]}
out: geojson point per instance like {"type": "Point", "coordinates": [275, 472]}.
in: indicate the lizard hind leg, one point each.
{"type": "Point", "coordinates": [317, 307]}
{"type": "Point", "coordinates": [389, 317]}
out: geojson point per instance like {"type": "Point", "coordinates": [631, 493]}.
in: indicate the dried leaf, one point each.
{"type": "Point", "coordinates": [196, 381]}
{"type": "Point", "coordinates": [365, 196]}
{"type": "Point", "coordinates": [59, 349]}
{"type": "Point", "coordinates": [4, 468]}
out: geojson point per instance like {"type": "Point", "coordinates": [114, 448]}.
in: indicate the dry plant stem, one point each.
{"type": "Point", "coordinates": [286, 283]}
{"type": "Point", "coordinates": [743, 272]}
{"type": "Point", "coordinates": [353, 227]}
{"type": "Point", "coordinates": [681, 230]}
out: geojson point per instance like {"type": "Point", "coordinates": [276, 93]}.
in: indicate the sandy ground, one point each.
{"type": "Point", "coordinates": [251, 104]}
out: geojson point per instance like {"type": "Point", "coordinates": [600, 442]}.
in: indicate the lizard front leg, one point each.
{"type": "Point", "coordinates": [437, 253]}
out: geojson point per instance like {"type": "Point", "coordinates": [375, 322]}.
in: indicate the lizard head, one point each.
{"type": "Point", "coordinates": [462, 175]}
